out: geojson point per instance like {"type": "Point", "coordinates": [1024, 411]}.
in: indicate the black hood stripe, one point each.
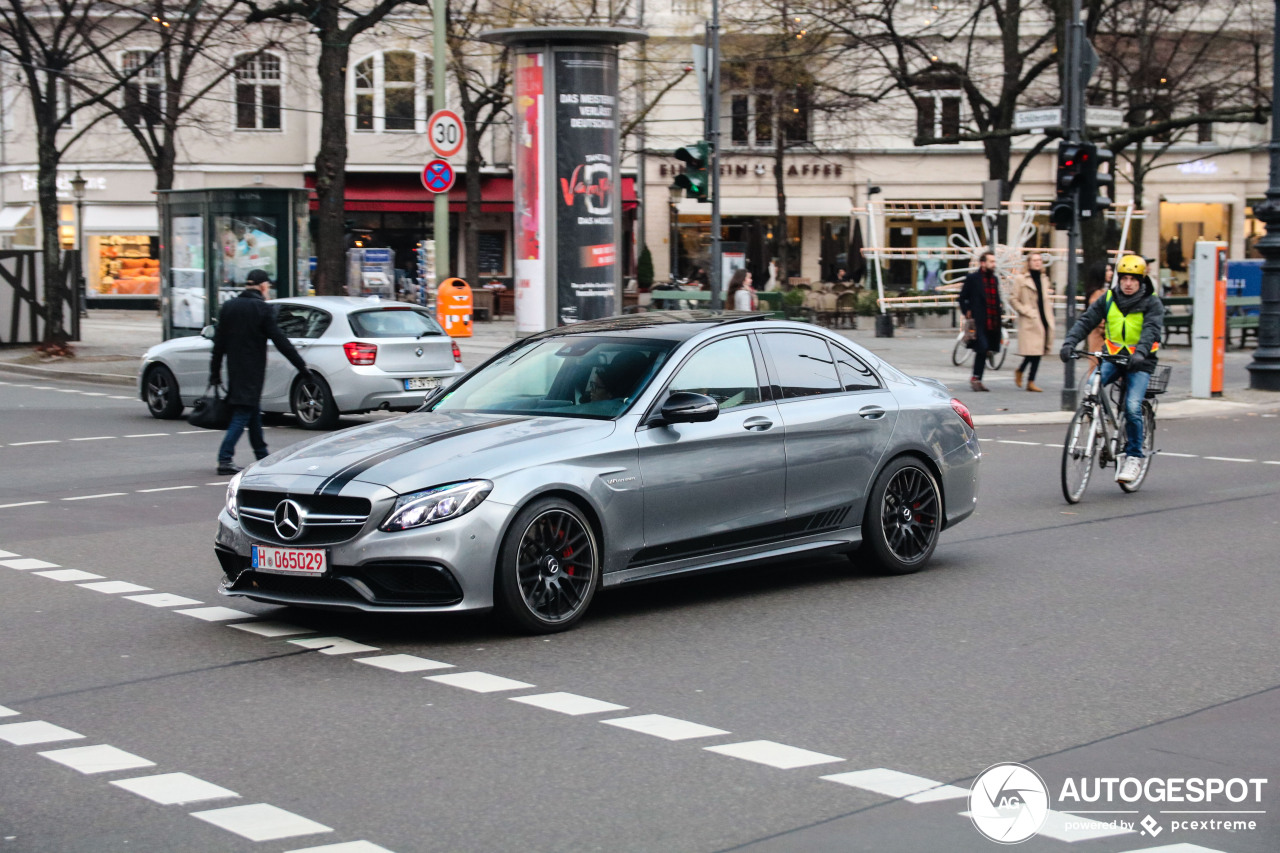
{"type": "Point", "coordinates": [334, 483]}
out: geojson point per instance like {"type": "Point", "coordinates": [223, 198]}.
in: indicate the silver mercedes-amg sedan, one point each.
{"type": "Point", "coordinates": [604, 453]}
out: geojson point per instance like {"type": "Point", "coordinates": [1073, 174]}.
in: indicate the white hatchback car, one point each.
{"type": "Point", "coordinates": [364, 354]}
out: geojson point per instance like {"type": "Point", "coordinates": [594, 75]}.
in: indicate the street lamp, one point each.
{"type": "Point", "coordinates": [674, 194]}
{"type": "Point", "coordinates": [78, 184]}
{"type": "Point", "coordinates": [1264, 370]}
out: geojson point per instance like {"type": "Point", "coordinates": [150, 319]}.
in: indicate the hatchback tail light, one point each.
{"type": "Point", "coordinates": [457, 353]}
{"type": "Point", "coordinates": [358, 353]}
{"type": "Point", "coordinates": [963, 411]}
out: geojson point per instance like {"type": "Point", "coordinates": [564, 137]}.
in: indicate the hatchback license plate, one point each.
{"type": "Point", "coordinates": [421, 383]}
{"type": "Point", "coordinates": [290, 561]}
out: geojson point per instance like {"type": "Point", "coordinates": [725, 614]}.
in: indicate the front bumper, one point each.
{"type": "Point", "coordinates": [440, 568]}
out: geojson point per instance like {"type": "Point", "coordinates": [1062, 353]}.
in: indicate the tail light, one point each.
{"type": "Point", "coordinates": [963, 411]}
{"type": "Point", "coordinates": [358, 353]}
{"type": "Point", "coordinates": [457, 353]}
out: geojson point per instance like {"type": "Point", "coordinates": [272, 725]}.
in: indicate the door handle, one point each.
{"type": "Point", "coordinates": [757, 424]}
{"type": "Point", "coordinates": [871, 413]}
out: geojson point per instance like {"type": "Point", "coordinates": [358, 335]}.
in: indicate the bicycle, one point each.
{"type": "Point", "coordinates": [960, 353]}
{"type": "Point", "coordinates": [1097, 430]}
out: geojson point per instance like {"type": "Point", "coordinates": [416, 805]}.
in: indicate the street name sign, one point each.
{"type": "Point", "coordinates": [446, 133]}
{"type": "Point", "coordinates": [1103, 117]}
{"type": "Point", "coordinates": [1037, 118]}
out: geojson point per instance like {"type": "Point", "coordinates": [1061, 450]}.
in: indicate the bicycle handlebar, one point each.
{"type": "Point", "coordinates": [1104, 356]}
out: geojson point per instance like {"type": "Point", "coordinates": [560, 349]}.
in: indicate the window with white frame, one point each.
{"type": "Point", "coordinates": [258, 91]}
{"type": "Point", "coordinates": [754, 117]}
{"type": "Point", "coordinates": [143, 88]}
{"type": "Point", "coordinates": [392, 92]}
{"type": "Point", "coordinates": [938, 112]}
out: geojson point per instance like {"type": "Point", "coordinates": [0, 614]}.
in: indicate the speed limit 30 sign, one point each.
{"type": "Point", "coordinates": [445, 132]}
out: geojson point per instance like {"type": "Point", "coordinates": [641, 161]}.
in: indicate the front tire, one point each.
{"type": "Point", "coordinates": [960, 352]}
{"type": "Point", "coordinates": [903, 518]}
{"type": "Point", "coordinates": [1148, 447]}
{"type": "Point", "coordinates": [164, 401]}
{"type": "Point", "coordinates": [312, 403]}
{"type": "Point", "coordinates": [548, 568]}
{"type": "Point", "coordinates": [1077, 458]}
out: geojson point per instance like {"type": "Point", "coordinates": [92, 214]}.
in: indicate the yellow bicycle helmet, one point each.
{"type": "Point", "coordinates": [1132, 265]}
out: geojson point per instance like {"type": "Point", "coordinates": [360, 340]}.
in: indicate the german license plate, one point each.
{"type": "Point", "coordinates": [289, 561]}
{"type": "Point", "coordinates": [421, 383]}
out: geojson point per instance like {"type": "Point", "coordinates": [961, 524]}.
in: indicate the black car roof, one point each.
{"type": "Point", "coordinates": [678, 325]}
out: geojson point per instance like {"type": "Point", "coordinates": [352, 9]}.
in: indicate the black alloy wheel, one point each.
{"type": "Point", "coordinates": [549, 567]}
{"type": "Point", "coordinates": [312, 403]}
{"type": "Point", "coordinates": [903, 517]}
{"type": "Point", "coordinates": [161, 390]}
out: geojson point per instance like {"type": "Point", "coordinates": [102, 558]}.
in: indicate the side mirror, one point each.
{"type": "Point", "coordinates": [207, 332]}
{"type": "Point", "coordinates": [433, 397]}
{"type": "Point", "coordinates": [686, 407]}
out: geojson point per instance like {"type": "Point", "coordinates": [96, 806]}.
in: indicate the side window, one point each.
{"type": "Point", "coordinates": [804, 364]}
{"type": "Point", "coordinates": [854, 375]}
{"type": "Point", "coordinates": [292, 320]}
{"type": "Point", "coordinates": [724, 370]}
{"type": "Point", "coordinates": [317, 323]}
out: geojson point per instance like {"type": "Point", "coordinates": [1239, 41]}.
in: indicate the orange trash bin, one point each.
{"type": "Point", "coordinates": [454, 307]}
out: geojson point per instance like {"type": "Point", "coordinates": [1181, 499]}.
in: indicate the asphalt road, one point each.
{"type": "Point", "coordinates": [1127, 636]}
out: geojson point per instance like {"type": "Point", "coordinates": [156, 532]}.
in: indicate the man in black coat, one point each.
{"type": "Point", "coordinates": [245, 324]}
{"type": "Point", "coordinates": [980, 302]}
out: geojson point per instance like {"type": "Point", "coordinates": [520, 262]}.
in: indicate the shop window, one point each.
{"type": "Point", "coordinates": [392, 92]}
{"type": "Point", "coordinates": [258, 89]}
{"type": "Point", "coordinates": [144, 88]}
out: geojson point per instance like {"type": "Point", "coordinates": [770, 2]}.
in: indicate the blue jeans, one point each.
{"type": "Point", "coordinates": [1136, 391]}
{"type": "Point", "coordinates": [242, 416]}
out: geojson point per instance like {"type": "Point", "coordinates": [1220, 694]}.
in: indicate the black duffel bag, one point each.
{"type": "Point", "coordinates": [211, 411]}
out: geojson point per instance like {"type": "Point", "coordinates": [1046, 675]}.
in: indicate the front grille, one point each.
{"type": "Point", "coordinates": [330, 518]}
{"type": "Point", "coordinates": [390, 584]}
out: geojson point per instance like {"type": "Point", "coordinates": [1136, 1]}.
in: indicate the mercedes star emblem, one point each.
{"type": "Point", "coordinates": [289, 520]}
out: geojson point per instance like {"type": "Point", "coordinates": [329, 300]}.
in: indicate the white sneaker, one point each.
{"type": "Point", "coordinates": [1129, 470]}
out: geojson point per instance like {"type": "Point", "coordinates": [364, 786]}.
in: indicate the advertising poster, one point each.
{"type": "Point", "coordinates": [187, 298]}
{"type": "Point", "coordinates": [531, 283]}
{"type": "Point", "coordinates": [587, 181]}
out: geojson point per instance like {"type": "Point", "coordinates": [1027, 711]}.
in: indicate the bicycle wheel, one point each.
{"type": "Point", "coordinates": [960, 353]}
{"type": "Point", "coordinates": [1077, 454]}
{"type": "Point", "coordinates": [1148, 447]}
{"type": "Point", "coordinates": [996, 359]}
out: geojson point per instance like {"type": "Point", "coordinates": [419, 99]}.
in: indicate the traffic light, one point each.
{"type": "Point", "coordinates": [1072, 157]}
{"type": "Point", "coordinates": [1098, 181]}
{"type": "Point", "coordinates": [696, 158]}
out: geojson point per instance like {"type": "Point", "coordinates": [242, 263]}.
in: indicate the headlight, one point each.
{"type": "Point", "coordinates": [232, 488]}
{"type": "Point", "coordinates": [436, 504]}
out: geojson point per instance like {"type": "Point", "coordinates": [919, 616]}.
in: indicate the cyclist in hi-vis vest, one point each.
{"type": "Point", "coordinates": [1134, 318]}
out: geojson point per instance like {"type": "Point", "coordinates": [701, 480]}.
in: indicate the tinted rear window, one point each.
{"type": "Point", "coordinates": [394, 323]}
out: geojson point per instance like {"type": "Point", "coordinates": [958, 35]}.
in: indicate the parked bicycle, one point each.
{"type": "Point", "coordinates": [961, 354]}
{"type": "Point", "coordinates": [1096, 434]}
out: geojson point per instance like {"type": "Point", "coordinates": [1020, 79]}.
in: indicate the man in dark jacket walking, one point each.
{"type": "Point", "coordinates": [245, 324]}
{"type": "Point", "coordinates": [980, 301]}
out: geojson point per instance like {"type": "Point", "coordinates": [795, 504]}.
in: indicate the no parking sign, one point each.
{"type": "Point", "coordinates": [438, 176]}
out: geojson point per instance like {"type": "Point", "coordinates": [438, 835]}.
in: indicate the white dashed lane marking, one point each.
{"type": "Point", "coordinates": [271, 629]}
{"type": "Point", "coordinates": [479, 682]}
{"type": "Point", "coordinates": [568, 703]}
{"type": "Point", "coordinates": [147, 435]}
{"type": "Point", "coordinates": [7, 712]}
{"type": "Point", "coordinates": [1229, 459]}
{"type": "Point", "coordinates": [1161, 453]}
{"type": "Point", "coordinates": [400, 663]}
{"type": "Point", "coordinates": [23, 503]}
{"type": "Point", "coordinates": [164, 489]}
{"type": "Point", "coordinates": [773, 754]}
{"type": "Point", "coordinates": [215, 614]}
{"type": "Point", "coordinates": [893, 783]}
{"type": "Point", "coordinates": [174, 789]}
{"type": "Point", "coordinates": [114, 587]}
{"type": "Point", "coordinates": [4, 555]}
{"type": "Point", "coordinates": [334, 645]}
{"type": "Point", "coordinates": [261, 822]}
{"type": "Point", "coordinates": [97, 759]}
{"type": "Point", "coordinates": [68, 575]}
{"type": "Point", "coordinates": [345, 847]}
{"type": "Point", "coordinates": [29, 443]}
{"type": "Point", "coordinates": [162, 599]}
{"type": "Point", "coordinates": [667, 728]}
{"type": "Point", "coordinates": [95, 497]}
{"type": "Point", "coordinates": [95, 438]}
{"type": "Point", "coordinates": [28, 563]}
{"type": "Point", "coordinates": [35, 731]}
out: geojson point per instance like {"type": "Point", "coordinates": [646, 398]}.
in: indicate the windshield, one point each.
{"type": "Point", "coordinates": [582, 377]}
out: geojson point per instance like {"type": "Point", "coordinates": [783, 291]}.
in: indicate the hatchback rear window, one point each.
{"type": "Point", "coordinates": [393, 323]}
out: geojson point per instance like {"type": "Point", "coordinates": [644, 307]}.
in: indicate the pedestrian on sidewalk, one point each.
{"type": "Point", "coordinates": [1030, 299]}
{"type": "Point", "coordinates": [980, 302]}
{"type": "Point", "coordinates": [742, 296]}
{"type": "Point", "coordinates": [245, 324]}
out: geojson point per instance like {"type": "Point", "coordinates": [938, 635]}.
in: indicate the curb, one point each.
{"type": "Point", "coordinates": [1189, 407]}
{"type": "Point", "coordinates": [116, 379]}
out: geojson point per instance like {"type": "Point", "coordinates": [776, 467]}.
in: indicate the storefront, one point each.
{"type": "Point", "coordinates": [122, 254]}
{"type": "Point", "coordinates": [1184, 219]}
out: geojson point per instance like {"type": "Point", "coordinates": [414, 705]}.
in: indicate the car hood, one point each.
{"type": "Point", "coordinates": [424, 449]}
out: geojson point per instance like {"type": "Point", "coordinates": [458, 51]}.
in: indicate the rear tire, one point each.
{"type": "Point", "coordinates": [903, 518]}
{"type": "Point", "coordinates": [1148, 447]}
{"type": "Point", "coordinates": [161, 389]}
{"type": "Point", "coordinates": [996, 359]}
{"type": "Point", "coordinates": [960, 353]}
{"type": "Point", "coordinates": [548, 568]}
{"type": "Point", "coordinates": [1077, 461]}
{"type": "Point", "coordinates": [312, 403]}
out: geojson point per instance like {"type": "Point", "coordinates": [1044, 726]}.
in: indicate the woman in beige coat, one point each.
{"type": "Point", "coordinates": [1030, 299]}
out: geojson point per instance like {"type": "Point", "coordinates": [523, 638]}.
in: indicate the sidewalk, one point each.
{"type": "Point", "coordinates": [113, 341]}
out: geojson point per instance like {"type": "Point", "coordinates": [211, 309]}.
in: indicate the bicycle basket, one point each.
{"type": "Point", "coordinates": [1159, 380]}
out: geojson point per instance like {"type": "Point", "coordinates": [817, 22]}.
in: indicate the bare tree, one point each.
{"type": "Point", "coordinates": [51, 43]}
{"type": "Point", "coordinates": [335, 24]}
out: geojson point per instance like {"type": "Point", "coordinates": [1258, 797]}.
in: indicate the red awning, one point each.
{"type": "Point", "coordinates": [404, 193]}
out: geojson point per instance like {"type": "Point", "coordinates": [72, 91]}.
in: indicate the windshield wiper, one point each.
{"type": "Point", "coordinates": [424, 334]}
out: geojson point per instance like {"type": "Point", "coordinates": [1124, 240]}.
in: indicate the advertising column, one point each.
{"type": "Point", "coordinates": [587, 176]}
